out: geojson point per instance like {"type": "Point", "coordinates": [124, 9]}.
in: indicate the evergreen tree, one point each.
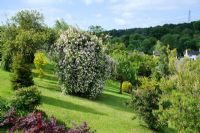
{"type": "Point", "coordinates": [22, 76]}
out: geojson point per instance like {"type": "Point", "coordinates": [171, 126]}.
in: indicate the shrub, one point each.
{"type": "Point", "coordinates": [145, 100]}
{"type": "Point", "coordinates": [24, 33]}
{"type": "Point", "coordinates": [127, 86]}
{"type": "Point", "coordinates": [125, 70]}
{"type": "Point", "coordinates": [6, 59]}
{"type": "Point", "coordinates": [37, 123]}
{"type": "Point", "coordinates": [22, 76]}
{"type": "Point", "coordinates": [82, 66]}
{"type": "Point", "coordinates": [183, 97]}
{"type": "Point", "coordinates": [40, 62]}
{"type": "Point", "coordinates": [9, 118]}
{"type": "Point", "coordinates": [3, 108]}
{"type": "Point", "coordinates": [26, 99]}
{"type": "Point", "coordinates": [83, 128]}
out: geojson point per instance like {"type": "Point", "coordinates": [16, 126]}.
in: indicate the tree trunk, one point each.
{"type": "Point", "coordinates": [121, 81]}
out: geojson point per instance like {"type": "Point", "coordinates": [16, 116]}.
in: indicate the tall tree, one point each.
{"type": "Point", "coordinates": [24, 33]}
{"type": "Point", "coordinates": [125, 70]}
{"type": "Point", "coordinates": [61, 25]}
{"type": "Point", "coordinates": [163, 60]}
{"type": "Point", "coordinates": [29, 19]}
{"type": "Point", "coordinates": [96, 29]}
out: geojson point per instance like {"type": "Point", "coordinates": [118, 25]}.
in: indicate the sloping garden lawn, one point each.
{"type": "Point", "coordinates": [107, 114]}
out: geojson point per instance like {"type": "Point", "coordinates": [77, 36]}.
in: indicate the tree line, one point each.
{"type": "Point", "coordinates": [180, 36]}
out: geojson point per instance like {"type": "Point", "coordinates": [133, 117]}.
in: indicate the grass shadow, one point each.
{"type": "Point", "coordinates": [48, 72]}
{"type": "Point", "coordinates": [50, 77]}
{"type": "Point", "coordinates": [68, 105]}
{"type": "Point", "coordinates": [113, 87]}
{"type": "Point", "coordinates": [116, 92]}
{"type": "Point", "coordinates": [111, 90]}
{"type": "Point", "coordinates": [169, 130]}
{"type": "Point", "coordinates": [50, 68]}
{"type": "Point", "coordinates": [50, 87]}
{"type": "Point", "coordinates": [114, 101]}
{"type": "Point", "coordinates": [112, 84]}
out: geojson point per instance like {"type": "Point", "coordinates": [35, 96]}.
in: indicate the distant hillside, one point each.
{"type": "Point", "coordinates": [180, 36]}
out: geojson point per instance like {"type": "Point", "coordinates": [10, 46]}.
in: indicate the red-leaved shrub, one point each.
{"type": "Point", "coordinates": [36, 123]}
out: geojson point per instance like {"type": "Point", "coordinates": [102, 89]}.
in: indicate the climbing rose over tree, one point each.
{"type": "Point", "coordinates": [81, 63]}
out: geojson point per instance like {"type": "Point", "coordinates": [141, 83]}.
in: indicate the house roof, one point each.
{"type": "Point", "coordinates": [192, 52]}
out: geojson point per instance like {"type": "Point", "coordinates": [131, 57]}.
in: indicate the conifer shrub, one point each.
{"type": "Point", "coordinates": [26, 99]}
{"type": "Point", "coordinates": [22, 75]}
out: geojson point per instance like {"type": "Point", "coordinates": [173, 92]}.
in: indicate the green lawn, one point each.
{"type": "Point", "coordinates": [107, 114]}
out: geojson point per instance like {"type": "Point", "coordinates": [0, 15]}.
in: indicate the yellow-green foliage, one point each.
{"type": "Point", "coordinates": [127, 86]}
{"type": "Point", "coordinates": [40, 62]}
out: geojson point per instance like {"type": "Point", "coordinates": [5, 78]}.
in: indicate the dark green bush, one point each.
{"type": "Point", "coordinates": [6, 61]}
{"type": "Point", "coordinates": [26, 99]}
{"type": "Point", "coordinates": [3, 108]}
{"type": "Point", "coordinates": [22, 76]}
{"type": "Point", "coordinates": [145, 100]}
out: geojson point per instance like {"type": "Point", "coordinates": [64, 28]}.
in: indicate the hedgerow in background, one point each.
{"type": "Point", "coordinates": [22, 75]}
{"type": "Point", "coordinates": [82, 66]}
{"type": "Point", "coordinates": [26, 99]}
{"type": "Point", "coordinates": [40, 62]}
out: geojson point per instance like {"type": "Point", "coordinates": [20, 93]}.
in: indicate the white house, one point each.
{"type": "Point", "coordinates": [191, 54]}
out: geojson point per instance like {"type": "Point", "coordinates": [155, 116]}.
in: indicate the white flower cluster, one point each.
{"type": "Point", "coordinates": [82, 65]}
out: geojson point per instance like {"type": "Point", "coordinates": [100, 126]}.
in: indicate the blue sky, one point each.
{"type": "Point", "coordinates": [109, 14]}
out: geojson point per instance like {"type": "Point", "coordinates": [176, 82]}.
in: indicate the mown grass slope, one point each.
{"type": "Point", "coordinates": [107, 114]}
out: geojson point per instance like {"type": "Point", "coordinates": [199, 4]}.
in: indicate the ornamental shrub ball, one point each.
{"type": "Point", "coordinates": [27, 98]}
{"type": "Point", "coordinates": [40, 61]}
{"type": "Point", "coordinates": [127, 86]}
{"type": "Point", "coordinates": [81, 63]}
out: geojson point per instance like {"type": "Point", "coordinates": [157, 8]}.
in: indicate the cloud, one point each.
{"type": "Point", "coordinates": [145, 5]}
{"type": "Point", "coordinates": [5, 15]}
{"type": "Point", "coordinates": [113, 1]}
{"type": "Point", "coordinates": [98, 15]}
{"type": "Point", "coordinates": [89, 2]}
{"type": "Point", "coordinates": [127, 14]}
{"type": "Point", "coordinates": [109, 13]}
{"type": "Point", "coordinates": [68, 16]}
{"type": "Point", "coordinates": [144, 13]}
{"type": "Point", "coordinates": [120, 21]}
{"type": "Point", "coordinates": [43, 2]}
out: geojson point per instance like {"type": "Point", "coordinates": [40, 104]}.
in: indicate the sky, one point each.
{"type": "Point", "coordinates": [110, 14]}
